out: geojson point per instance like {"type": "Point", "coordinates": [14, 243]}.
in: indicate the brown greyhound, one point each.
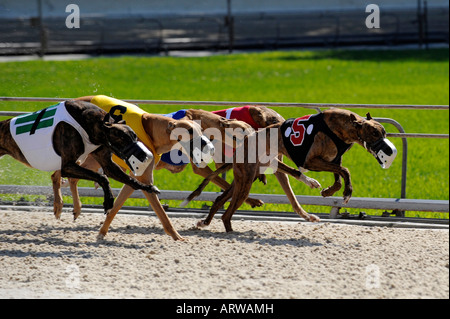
{"type": "Point", "coordinates": [61, 135]}
{"type": "Point", "coordinates": [156, 132]}
{"type": "Point", "coordinates": [258, 117]}
{"type": "Point", "coordinates": [315, 143]}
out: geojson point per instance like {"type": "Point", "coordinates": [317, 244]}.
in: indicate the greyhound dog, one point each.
{"type": "Point", "coordinates": [159, 134]}
{"type": "Point", "coordinates": [221, 121]}
{"type": "Point", "coordinates": [257, 117]}
{"type": "Point", "coordinates": [313, 142]}
{"type": "Point", "coordinates": [66, 133]}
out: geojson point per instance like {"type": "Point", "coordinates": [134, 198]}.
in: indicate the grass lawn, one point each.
{"type": "Point", "coordinates": [388, 77]}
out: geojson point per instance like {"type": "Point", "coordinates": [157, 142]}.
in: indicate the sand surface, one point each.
{"type": "Point", "coordinates": [41, 257]}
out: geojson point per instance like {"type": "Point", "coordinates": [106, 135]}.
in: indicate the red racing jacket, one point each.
{"type": "Point", "coordinates": [239, 113]}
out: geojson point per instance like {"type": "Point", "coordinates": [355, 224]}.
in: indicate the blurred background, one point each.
{"type": "Point", "coordinates": [154, 26]}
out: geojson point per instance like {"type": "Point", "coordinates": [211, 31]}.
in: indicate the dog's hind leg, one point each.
{"type": "Point", "coordinates": [318, 164]}
{"type": "Point", "coordinates": [91, 164]}
{"type": "Point", "coordinates": [217, 180]}
{"type": "Point", "coordinates": [205, 182]}
{"type": "Point", "coordinates": [242, 185]}
{"type": "Point", "coordinates": [240, 193]}
{"type": "Point", "coordinates": [218, 203]}
{"type": "Point", "coordinates": [329, 191]}
{"type": "Point", "coordinates": [73, 184]}
{"type": "Point", "coordinates": [57, 200]}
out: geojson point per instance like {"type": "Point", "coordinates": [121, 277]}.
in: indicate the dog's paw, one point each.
{"type": "Point", "coordinates": [253, 202]}
{"type": "Point", "coordinates": [57, 209]}
{"type": "Point", "coordinates": [347, 195]}
{"type": "Point", "coordinates": [201, 224]}
{"type": "Point", "coordinates": [313, 218]}
{"type": "Point", "coordinates": [312, 183]}
{"type": "Point", "coordinates": [64, 182]}
{"type": "Point", "coordinates": [108, 205]}
{"type": "Point", "coordinates": [326, 192]}
{"type": "Point", "coordinates": [346, 199]}
{"type": "Point", "coordinates": [152, 189]}
{"type": "Point", "coordinates": [76, 215]}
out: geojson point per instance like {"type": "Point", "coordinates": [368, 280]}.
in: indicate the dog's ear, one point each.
{"type": "Point", "coordinates": [223, 122]}
{"type": "Point", "coordinates": [355, 122]}
{"type": "Point", "coordinates": [171, 126]}
{"type": "Point", "coordinates": [369, 117]}
{"type": "Point", "coordinates": [108, 120]}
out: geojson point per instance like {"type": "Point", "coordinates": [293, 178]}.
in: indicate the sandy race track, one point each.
{"type": "Point", "coordinates": [41, 257]}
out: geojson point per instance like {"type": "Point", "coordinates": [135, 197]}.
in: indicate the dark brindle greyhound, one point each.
{"type": "Point", "coordinates": [326, 136]}
{"type": "Point", "coordinates": [64, 145]}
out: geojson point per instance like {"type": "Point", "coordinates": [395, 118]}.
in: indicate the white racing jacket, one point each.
{"type": "Point", "coordinates": [33, 134]}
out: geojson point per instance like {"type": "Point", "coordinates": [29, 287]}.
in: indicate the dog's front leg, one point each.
{"type": "Point", "coordinates": [283, 180]}
{"type": "Point", "coordinates": [283, 168]}
{"type": "Point", "coordinates": [111, 169]}
{"type": "Point", "coordinates": [147, 178]}
{"type": "Point", "coordinates": [73, 170]}
{"type": "Point", "coordinates": [218, 203]}
{"type": "Point", "coordinates": [318, 164]}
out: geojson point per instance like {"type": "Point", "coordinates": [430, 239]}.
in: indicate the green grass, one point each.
{"type": "Point", "coordinates": [386, 77]}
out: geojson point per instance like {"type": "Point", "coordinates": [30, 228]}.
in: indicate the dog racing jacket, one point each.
{"type": "Point", "coordinates": [175, 153]}
{"type": "Point", "coordinates": [239, 113]}
{"type": "Point", "coordinates": [132, 115]}
{"type": "Point", "coordinates": [235, 113]}
{"type": "Point", "coordinates": [33, 134]}
{"type": "Point", "coordinates": [298, 137]}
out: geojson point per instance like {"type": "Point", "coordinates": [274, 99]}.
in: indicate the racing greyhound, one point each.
{"type": "Point", "coordinates": [159, 134]}
{"type": "Point", "coordinates": [314, 142]}
{"type": "Point", "coordinates": [62, 135]}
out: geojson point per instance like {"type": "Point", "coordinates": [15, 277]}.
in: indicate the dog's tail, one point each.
{"type": "Point", "coordinates": [205, 182]}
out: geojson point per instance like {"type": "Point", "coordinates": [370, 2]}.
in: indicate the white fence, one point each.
{"type": "Point", "coordinates": [398, 204]}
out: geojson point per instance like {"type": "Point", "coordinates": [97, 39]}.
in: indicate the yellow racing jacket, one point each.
{"type": "Point", "coordinates": [132, 115]}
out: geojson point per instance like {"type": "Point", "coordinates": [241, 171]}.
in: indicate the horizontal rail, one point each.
{"type": "Point", "coordinates": [417, 135]}
{"type": "Point", "coordinates": [225, 103]}
{"type": "Point", "coordinates": [401, 135]}
{"type": "Point", "coordinates": [421, 205]}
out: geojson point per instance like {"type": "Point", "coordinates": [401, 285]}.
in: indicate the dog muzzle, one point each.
{"type": "Point", "coordinates": [383, 150]}
{"type": "Point", "coordinates": [137, 157]}
{"type": "Point", "coordinates": [200, 149]}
